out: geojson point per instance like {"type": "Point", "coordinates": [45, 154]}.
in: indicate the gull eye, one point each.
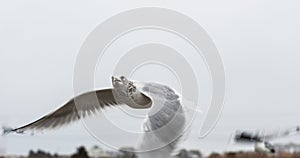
{"type": "Point", "coordinates": [122, 78]}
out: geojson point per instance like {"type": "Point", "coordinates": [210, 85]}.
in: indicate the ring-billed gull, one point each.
{"type": "Point", "coordinates": [163, 127]}
{"type": "Point", "coordinates": [261, 142]}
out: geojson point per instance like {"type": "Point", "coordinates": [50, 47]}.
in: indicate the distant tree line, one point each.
{"type": "Point", "coordinates": [41, 154]}
{"type": "Point", "coordinates": [254, 155]}
{"type": "Point", "coordinates": [82, 153]}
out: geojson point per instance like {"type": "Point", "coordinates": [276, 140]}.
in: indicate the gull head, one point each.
{"type": "Point", "coordinates": [125, 91]}
{"type": "Point", "coordinates": [123, 85]}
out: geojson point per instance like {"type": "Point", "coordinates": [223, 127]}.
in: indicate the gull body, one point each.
{"type": "Point", "coordinates": [264, 147]}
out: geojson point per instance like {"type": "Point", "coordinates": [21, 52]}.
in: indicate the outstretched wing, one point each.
{"type": "Point", "coordinates": [280, 134]}
{"type": "Point", "coordinates": [246, 137]}
{"type": "Point", "coordinates": [165, 124]}
{"type": "Point", "coordinates": [78, 107]}
{"type": "Point", "coordinates": [249, 137]}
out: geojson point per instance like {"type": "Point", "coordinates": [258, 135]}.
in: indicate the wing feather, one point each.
{"type": "Point", "coordinates": [78, 107]}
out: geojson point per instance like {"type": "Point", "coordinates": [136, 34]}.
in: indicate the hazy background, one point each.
{"type": "Point", "coordinates": [258, 42]}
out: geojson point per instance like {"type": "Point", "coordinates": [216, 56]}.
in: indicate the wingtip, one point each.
{"type": "Point", "coordinates": [6, 130]}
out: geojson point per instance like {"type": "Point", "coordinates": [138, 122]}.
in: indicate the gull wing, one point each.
{"type": "Point", "coordinates": [280, 134]}
{"type": "Point", "coordinates": [249, 137]}
{"type": "Point", "coordinates": [165, 124]}
{"type": "Point", "coordinates": [83, 105]}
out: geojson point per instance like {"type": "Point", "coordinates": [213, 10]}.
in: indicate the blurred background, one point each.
{"type": "Point", "coordinates": [257, 40]}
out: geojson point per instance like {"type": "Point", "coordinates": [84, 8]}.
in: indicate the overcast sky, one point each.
{"type": "Point", "coordinates": [257, 40]}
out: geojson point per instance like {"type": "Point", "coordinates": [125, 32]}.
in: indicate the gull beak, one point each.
{"type": "Point", "coordinates": [115, 79]}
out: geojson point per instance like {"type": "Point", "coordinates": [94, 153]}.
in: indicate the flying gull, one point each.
{"type": "Point", "coordinates": [163, 127]}
{"type": "Point", "coordinates": [261, 142]}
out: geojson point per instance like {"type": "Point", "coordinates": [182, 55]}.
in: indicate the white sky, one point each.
{"type": "Point", "coordinates": [258, 42]}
